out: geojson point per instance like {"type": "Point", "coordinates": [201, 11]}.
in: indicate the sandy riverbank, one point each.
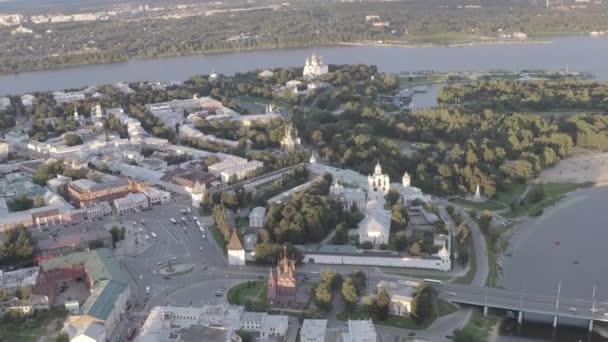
{"type": "Point", "coordinates": [583, 166]}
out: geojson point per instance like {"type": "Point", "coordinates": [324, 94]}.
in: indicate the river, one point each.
{"type": "Point", "coordinates": [567, 243]}
{"type": "Point", "coordinates": [581, 53]}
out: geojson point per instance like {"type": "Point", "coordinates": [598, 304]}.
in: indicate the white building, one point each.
{"type": "Point", "coordinates": [274, 326]}
{"type": "Point", "coordinates": [156, 196]}
{"type": "Point", "coordinates": [5, 102]}
{"type": "Point", "coordinates": [67, 97]}
{"type": "Point", "coordinates": [131, 202]}
{"type": "Point", "coordinates": [98, 209]}
{"type": "Point", "coordinates": [236, 252]}
{"type": "Point", "coordinates": [58, 182]}
{"type": "Point", "coordinates": [266, 74]}
{"type": "Point", "coordinates": [401, 295]}
{"type": "Point", "coordinates": [378, 185]}
{"type": "Point", "coordinates": [349, 196]}
{"type": "Point", "coordinates": [344, 176]}
{"type": "Point", "coordinates": [240, 171]}
{"type": "Point", "coordinates": [256, 217]}
{"type": "Point", "coordinates": [313, 330]}
{"type": "Point", "coordinates": [314, 66]}
{"type": "Point", "coordinates": [163, 322]}
{"type": "Point", "coordinates": [4, 149]}
{"type": "Point", "coordinates": [28, 101]}
{"type": "Point", "coordinates": [360, 331]}
{"type": "Point", "coordinates": [376, 226]}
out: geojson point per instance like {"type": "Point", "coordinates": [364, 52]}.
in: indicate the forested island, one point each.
{"type": "Point", "coordinates": [301, 24]}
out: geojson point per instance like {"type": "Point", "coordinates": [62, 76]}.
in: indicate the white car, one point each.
{"type": "Point", "coordinates": [572, 309]}
{"type": "Point", "coordinates": [147, 289]}
{"type": "Point", "coordinates": [153, 234]}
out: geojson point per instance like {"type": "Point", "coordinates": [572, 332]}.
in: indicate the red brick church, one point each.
{"type": "Point", "coordinates": [285, 285]}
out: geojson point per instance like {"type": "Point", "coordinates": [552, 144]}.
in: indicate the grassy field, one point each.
{"type": "Point", "coordinates": [252, 294]}
{"type": "Point", "coordinates": [554, 192]}
{"type": "Point", "coordinates": [445, 308]}
{"type": "Point", "coordinates": [468, 277]}
{"type": "Point", "coordinates": [442, 308]}
{"type": "Point", "coordinates": [31, 329]}
{"type": "Point", "coordinates": [492, 266]}
{"type": "Point", "coordinates": [490, 205]}
{"type": "Point", "coordinates": [479, 327]}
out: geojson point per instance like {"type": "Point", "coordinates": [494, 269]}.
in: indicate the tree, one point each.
{"type": "Point", "coordinates": [392, 197]}
{"type": "Point", "coordinates": [21, 203]}
{"type": "Point", "coordinates": [415, 249]}
{"type": "Point", "coordinates": [62, 337]}
{"type": "Point", "coordinates": [39, 201]}
{"type": "Point", "coordinates": [245, 336]}
{"type": "Point", "coordinates": [423, 304]}
{"type": "Point", "coordinates": [17, 246]}
{"type": "Point", "coordinates": [72, 139]}
{"type": "Point", "coordinates": [383, 302]}
{"type": "Point", "coordinates": [323, 297]}
{"type": "Point", "coordinates": [349, 293]}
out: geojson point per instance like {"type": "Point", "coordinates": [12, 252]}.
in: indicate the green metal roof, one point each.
{"type": "Point", "coordinates": [101, 301]}
{"type": "Point", "coordinates": [109, 280]}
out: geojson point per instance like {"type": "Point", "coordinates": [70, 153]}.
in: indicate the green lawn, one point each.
{"type": "Point", "coordinates": [251, 294]}
{"type": "Point", "coordinates": [396, 271]}
{"type": "Point", "coordinates": [31, 329]}
{"type": "Point", "coordinates": [442, 308]}
{"type": "Point", "coordinates": [391, 321]}
{"type": "Point", "coordinates": [490, 205]}
{"type": "Point", "coordinates": [554, 192]}
{"type": "Point", "coordinates": [478, 328]}
{"type": "Point", "coordinates": [468, 277]}
{"type": "Point", "coordinates": [492, 278]}
{"type": "Point", "coordinates": [512, 192]}
{"type": "Point", "coordinates": [445, 308]}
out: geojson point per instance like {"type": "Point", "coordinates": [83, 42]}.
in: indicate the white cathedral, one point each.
{"type": "Point", "coordinates": [314, 66]}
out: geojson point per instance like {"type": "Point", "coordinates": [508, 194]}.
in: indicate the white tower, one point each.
{"type": "Point", "coordinates": [405, 180]}
{"type": "Point", "coordinates": [378, 184]}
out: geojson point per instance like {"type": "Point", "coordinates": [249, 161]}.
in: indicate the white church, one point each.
{"type": "Point", "coordinates": [314, 66]}
{"type": "Point", "coordinates": [376, 225]}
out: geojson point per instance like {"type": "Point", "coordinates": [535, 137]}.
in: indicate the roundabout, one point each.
{"type": "Point", "coordinates": [176, 269]}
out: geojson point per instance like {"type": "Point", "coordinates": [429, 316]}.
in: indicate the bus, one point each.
{"type": "Point", "coordinates": [432, 281]}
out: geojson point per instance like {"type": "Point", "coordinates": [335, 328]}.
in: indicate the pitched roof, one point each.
{"type": "Point", "coordinates": [235, 243]}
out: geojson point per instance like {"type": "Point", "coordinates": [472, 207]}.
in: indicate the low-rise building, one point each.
{"type": "Point", "coordinates": [58, 182]}
{"type": "Point", "coordinates": [376, 225]}
{"type": "Point", "coordinates": [256, 217]}
{"type": "Point", "coordinates": [401, 295]}
{"type": "Point", "coordinates": [236, 252]}
{"type": "Point", "coordinates": [109, 290]}
{"type": "Point", "coordinates": [98, 209]}
{"type": "Point", "coordinates": [313, 330]}
{"type": "Point", "coordinates": [156, 196]}
{"type": "Point", "coordinates": [238, 172]}
{"type": "Point", "coordinates": [4, 149]}
{"type": "Point", "coordinates": [70, 240]}
{"type": "Point", "coordinates": [131, 202]}
{"type": "Point", "coordinates": [214, 322]}
{"type": "Point", "coordinates": [360, 331]}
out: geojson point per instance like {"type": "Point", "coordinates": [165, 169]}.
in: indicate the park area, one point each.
{"type": "Point", "coordinates": [251, 294]}
{"type": "Point", "coordinates": [41, 324]}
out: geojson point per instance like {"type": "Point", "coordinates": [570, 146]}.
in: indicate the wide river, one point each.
{"type": "Point", "coordinates": [580, 53]}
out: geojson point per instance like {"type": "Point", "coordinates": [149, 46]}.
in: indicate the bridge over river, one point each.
{"type": "Point", "coordinates": [586, 309]}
